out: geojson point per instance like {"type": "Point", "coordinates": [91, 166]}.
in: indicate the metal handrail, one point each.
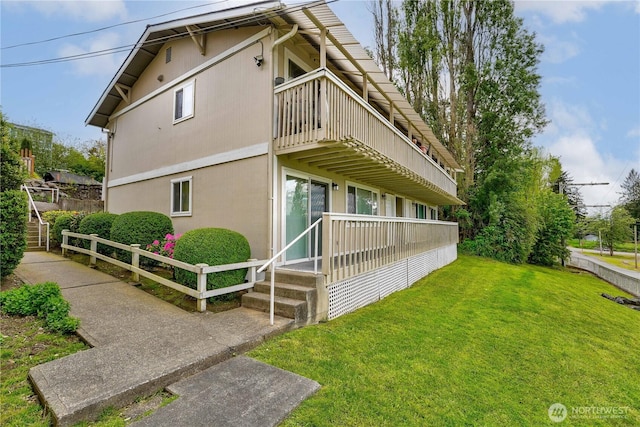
{"type": "Point", "coordinates": [33, 207]}
{"type": "Point", "coordinates": [55, 192]}
{"type": "Point", "coordinates": [279, 254]}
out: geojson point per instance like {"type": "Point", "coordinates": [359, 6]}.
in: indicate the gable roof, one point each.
{"type": "Point", "coordinates": [155, 36]}
{"type": "Point", "coordinates": [343, 51]}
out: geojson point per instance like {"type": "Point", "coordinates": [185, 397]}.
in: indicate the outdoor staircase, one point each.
{"type": "Point", "coordinates": [295, 292]}
{"type": "Point", "coordinates": [32, 237]}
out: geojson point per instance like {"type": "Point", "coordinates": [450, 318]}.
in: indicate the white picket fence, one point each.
{"type": "Point", "coordinates": [201, 270]}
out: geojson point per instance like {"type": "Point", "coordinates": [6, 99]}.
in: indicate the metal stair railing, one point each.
{"type": "Point", "coordinates": [313, 226]}
{"type": "Point", "coordinates": [34, 208]}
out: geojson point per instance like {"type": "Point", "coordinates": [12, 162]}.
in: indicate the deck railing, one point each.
{"type": "Point", "coordinates": [201, 270]}
{"type": "Point", "coordinates": [355, 244]}
{"type": "Point", "coordinates": [320, 107]}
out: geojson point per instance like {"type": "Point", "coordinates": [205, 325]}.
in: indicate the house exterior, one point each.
{"type": "Point", "coordinates": [266, 118]}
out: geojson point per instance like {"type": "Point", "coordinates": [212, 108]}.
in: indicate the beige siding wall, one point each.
{"type": "Point", "coordinates": [232, 195]}
{"type": "Point", "coordinates": [232, 112]}
{"type": "Point", "coordinates": [232, 105]}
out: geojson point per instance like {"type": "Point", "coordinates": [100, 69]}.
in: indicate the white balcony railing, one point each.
{"type": "Point", "coordinates": [320, 107]}
{"type": "Point", "coordinates": [356, 244]}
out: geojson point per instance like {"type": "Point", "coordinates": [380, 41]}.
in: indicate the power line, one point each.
{"type": "Point", "coordinates": [108, 27]}
{"type": "Point", "coordinates": [160, 40]}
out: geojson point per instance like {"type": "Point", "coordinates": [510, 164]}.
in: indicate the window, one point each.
{"type": "Point", "coordinates": [294, 66]}
{"type": "Point", "coordinates": [421, 211]}
{"type": "Point", "coordinates": [361, 201]}
{"type": "Point", "coordinates": [181, 196]}
{"type": "Point", "coordinates": [167, 55]}
{"type": "Point", "coordinates": [183, 102]}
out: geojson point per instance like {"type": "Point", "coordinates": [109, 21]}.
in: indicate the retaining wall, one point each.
{"type": "Point", "coordinates": [629, 282]}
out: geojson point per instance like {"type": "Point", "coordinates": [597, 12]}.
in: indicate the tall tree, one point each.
{"type": "Point", "coordinates": [385, 27]}
{"type": "Point", "coordinates": [614, 228]}
{"type": "Point", "coordinates": [631, 194]}
{"type": "Point", "coordinates": [563, 185]}
{"type": "Point", "coordinates": [470, 69]}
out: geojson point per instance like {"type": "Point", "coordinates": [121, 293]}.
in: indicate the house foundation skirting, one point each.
{"type": "Point", "coordinates": [351, 294]}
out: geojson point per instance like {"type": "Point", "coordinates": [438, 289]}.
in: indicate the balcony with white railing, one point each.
{"type": "Point", "coordinates": [322, 121]}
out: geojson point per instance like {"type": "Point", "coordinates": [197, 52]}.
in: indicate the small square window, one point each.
{"type": "Point", "coordinates": [183, 102]}
{"type": "Point", "coordinates": [181, 196]}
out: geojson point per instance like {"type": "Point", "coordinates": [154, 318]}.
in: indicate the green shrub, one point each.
{"type": "Point", "coordinates": [67, 221]}
{"type": "Point", "coordinates": [51, 217]}
{"type": "Point", "coordinates": [43, 300]}
{"type": "Point", "coordinates": [98, 223]}
{"type": "Point", "coordinates": [14, 172]}
{"type": "Point", "coordinates": [140, 227]}
{"type": "Point", "coordinates": [13, 229]}
{"type": "Point", "coordinates": [212, 246]}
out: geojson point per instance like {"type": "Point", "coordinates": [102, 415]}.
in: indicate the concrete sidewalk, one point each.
{"type": "Point", "coordinates": [142, 344]}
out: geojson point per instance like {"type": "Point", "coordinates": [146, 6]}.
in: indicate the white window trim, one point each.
{"type": "Point", "coordinates": [362, 187]}
{"type": "Point", "coordinates": [182, 213]}
{"type": "Point", "coordinates": [283, 191]}
{"type": "Point", "coordinates": [290, 56]}
{"type": "Point", "coordinates": [192, 104]}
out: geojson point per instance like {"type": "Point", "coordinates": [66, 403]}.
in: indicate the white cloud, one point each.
{"type": "Point", "coordinates": [96, 65]}
{"type": "Point", "coordinates": [573, 136]}
{"type": "Point", "coordinates": [79, 10]}
{"type": "Point", "coordinates": [559, 80]}
{"type": "Point", "coordinates": [560, 11]}
{"type": "Point", "coordinates": [634, 133]}
{"type": "Point", "coordinates": [557, 51]}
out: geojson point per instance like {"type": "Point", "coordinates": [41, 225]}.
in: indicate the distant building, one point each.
{"type": "Point", "coordinates": [40, 145]}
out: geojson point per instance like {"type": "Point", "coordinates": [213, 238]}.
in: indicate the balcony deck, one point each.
{"type": "Point", "coordinates": [324, 123]}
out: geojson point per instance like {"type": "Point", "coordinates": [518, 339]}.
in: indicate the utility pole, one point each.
{"type": "Point", "coordinates": [635, 242]}
{"type": "Point", "coordinates": [561, 186]}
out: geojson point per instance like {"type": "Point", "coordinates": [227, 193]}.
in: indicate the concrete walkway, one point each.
{"type": "Point", "coordinates": [142, 344]}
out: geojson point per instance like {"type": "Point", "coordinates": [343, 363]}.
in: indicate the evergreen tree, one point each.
{"type": "Point", "coordinates": [631, 194]}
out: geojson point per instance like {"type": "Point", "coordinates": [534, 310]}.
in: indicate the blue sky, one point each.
{"type": "Point", "coordinates": [590, 69]}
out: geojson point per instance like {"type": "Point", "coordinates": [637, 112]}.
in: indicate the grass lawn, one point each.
{"type": "Point", "coordinates": [621, 261]}
{"type": "Point", "coordinates": [475, 343]}
{"type": "Point", "coordinates": [618, 247]}
{"type": "Point", "coordinates": [25, 343]}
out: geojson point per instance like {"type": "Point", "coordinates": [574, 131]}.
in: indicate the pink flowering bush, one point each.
{"type": "Point", "coordinates": [165, 246]}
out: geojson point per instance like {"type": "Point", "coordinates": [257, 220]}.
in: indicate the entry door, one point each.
{"type": "Point", "coordinates": [306, 201]}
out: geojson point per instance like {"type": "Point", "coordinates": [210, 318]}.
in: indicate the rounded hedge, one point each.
{"type": "Point", "coordinates": [141, 227]}
{"type": "Point", "coordinates": [67, 221]}
{"type": "Point", "coordinates": [212, 246]}
{"type": "Point", "coordinates": [98, 223]}
{"type": "Point", "coordinates": [13, 229]}
{"type": "Point", "coordinates": [63, 222]}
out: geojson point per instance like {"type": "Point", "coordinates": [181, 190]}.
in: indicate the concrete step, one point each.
{"type": "Point", "coordinates": [287, 290]}
{"type": "Point", "coordinates": [283, 306]}
{"type": "Point", "coordinates": [301, 278]}
{"type": "Point", "coordinates": [35, 248]}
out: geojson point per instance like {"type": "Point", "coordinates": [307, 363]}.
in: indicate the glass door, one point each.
{"type": "Point", "coordinates": [306, 201]}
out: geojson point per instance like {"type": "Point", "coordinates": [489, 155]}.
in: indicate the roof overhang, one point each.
{"type": "Point", "coordinates": [155, 36]}
{"type": "Point", "coordinates": [347, 58]}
